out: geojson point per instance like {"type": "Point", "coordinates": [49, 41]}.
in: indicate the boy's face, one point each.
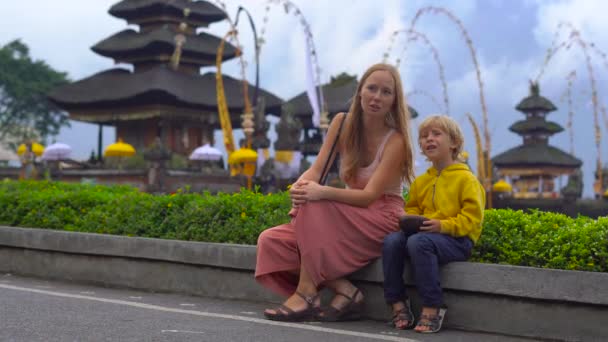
{"type": "Point", "coordinates": [436, 144]}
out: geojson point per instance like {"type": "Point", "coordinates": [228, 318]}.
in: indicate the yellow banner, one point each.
{"type": "Point", "coordinates": [222, 106]}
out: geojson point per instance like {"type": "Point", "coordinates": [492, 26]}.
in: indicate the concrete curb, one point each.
{"type": "Point", "coordinates": [523, 301]}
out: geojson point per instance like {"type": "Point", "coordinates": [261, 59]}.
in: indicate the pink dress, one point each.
{"type": "Point", "coordinates": [329, 239]}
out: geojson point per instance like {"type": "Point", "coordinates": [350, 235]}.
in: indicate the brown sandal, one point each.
{"type": "Point", "coordinates": [351, 311]}
{"type": "Point", "coordinates": [285, 314]}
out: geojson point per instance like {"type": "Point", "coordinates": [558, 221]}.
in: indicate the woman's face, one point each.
{"type": "Point", "coordinates": [378, 93]}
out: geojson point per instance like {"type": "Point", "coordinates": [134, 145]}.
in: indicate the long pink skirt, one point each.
{"type": "Point", "coordinates": [329, 239]}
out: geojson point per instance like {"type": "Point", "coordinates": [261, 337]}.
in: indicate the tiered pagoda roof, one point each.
{"type": "Point", "coordinates": [535, 152]}
{"type": "Point", "coordinates": [201, 13]}
{"type": "Point", "coordinates": [121, 88]}
{"type": "Point", "coordinates": [536, 155]}
{"type": "Point", "coordinates": [130, 46]}
{"type": "Point", "coordinates": [122, 95]}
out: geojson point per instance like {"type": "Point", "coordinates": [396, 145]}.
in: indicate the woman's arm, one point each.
{"type": "Point", "coordinates": [388, 170]}
{"type": "Point", "coordinates": [313, 174]}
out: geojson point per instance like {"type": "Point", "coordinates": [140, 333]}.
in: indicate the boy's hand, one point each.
{"type": "Point", "coordinates": [431, 226]}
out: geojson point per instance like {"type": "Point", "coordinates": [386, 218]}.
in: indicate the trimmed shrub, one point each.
{"type": "Point", "coordinates": [535, 238]}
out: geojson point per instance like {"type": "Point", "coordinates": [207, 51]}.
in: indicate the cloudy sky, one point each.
{"type": "Point", "coordinates": [510, 37]}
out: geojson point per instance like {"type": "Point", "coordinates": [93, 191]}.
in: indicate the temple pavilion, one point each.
{"type": "Point", "coordinates": [533, 167]}
{"type": "Point", "coordinates": [338, 95]}
{"type": "Point", "coordinates": [163, 93]}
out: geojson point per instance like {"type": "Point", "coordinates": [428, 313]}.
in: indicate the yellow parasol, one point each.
{"type": "Point", "coordinates": [36, 148]}
{"type": "Point", "coordinates": [246, 157]}
{"type": "Point", "coordinates": [119, 149]}
{"type": "Point", "coordinates": [502, 186]}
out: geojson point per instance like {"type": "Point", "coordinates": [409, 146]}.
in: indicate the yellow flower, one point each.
{"type": "Point", "coordinates": [169, 205]}
{"type": "Point", "coordinates": [243, 214]}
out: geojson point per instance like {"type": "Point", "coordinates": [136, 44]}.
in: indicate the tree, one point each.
{"type": "Point", "coordinates": [25, 112]}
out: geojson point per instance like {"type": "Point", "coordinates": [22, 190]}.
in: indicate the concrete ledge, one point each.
{"type": "Point", "coordinates": [523, 301]}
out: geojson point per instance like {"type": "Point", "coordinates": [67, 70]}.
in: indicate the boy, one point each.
{"type": "Point", "coordinates": [452, 200]}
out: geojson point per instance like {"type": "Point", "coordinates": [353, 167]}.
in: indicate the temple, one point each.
{"type": "Point", "coordinates": [533, 167]}
{"type": "Point", "coordinates": [163, 93]}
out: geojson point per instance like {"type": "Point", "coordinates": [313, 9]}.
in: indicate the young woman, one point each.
{"type": "Point", "coordinates": [334, 232]}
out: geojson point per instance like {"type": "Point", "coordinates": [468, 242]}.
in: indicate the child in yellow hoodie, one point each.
{"type": "Point", "coordinates": [452, 200]}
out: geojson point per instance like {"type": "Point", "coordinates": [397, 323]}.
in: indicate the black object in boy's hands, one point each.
{"type": "Point", "coordinates": [410, 224]}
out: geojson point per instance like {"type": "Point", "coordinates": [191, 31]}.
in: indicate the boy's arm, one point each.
{"type": "Point", "coordinates": [471, 212]}
{"type": "Point", "coordinates": [411, 206]}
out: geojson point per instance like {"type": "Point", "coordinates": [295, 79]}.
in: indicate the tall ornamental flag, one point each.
{"type": "Point", "coordinates": [311, 88]}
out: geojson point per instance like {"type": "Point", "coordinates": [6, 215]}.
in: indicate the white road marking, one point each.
{"type": "Point", "coordinates": [248, 312]}
{"type": "Point", "coordinates": [187, 304]}
{"type": "Point", "coordinates": [182, 331]}
{"type": "Point", "coordinates": [213, 315]}
{"type": "Point", "coordinates": [134, 297]}
{"type": "Point", "coordinates": [87, 292]}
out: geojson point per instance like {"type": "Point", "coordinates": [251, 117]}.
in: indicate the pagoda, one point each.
{"type": "Point", "coordinates": [163, 94]}
{"type": "Point", "coordinates": [338, 94]}
{"type": "Point", "coordinates": [532, 167]}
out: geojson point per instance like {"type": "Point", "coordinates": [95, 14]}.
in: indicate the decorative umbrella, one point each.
{"type": "Point", "coordinates": [502, 186]}
{"type": "Point", "coordinates": [36, 148]}
{"type": "Point", "coordinates": [207, 153]}
{"type": "Point", "coordinates": [243, 161]}
{"type": "Point", "coordinates": [57, 151]}
{"type": "Point", "coordinates": [243, 155]}
{"type": "Point", "coordinates": [119, 149]}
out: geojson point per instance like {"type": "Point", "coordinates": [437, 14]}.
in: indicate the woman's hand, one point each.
{"type": "Point", "coordinates": [431, 226]}
{"type": "Point", "coordinates": [304, 191]}
{"type": "Point", "coordinates": [295, 192]}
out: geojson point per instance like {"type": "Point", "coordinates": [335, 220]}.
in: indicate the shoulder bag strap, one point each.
{"type": "Point", "coordinates": [326, 167]}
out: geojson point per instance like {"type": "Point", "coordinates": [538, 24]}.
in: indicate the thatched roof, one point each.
{"type": "Point", "coordinates": [200, 11]}
{"type": "Point", "coordinates": [129, 44]}
{"type": "Point", "coordinates": [536, 155]}
{"type": "Point", "coordinates": [157, 86]}
{"type": "Point", "coordinates": [535, 102]}
{"type": "Point", "coordinates": [535, 125]}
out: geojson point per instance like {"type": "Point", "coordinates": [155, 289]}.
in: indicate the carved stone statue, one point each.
{"type": "Point", "coordinates": [260, 135]}
{"type": "Point", "coordinates": [156, 155]}
{"type": "Point", "coordinates": [574, 188]}
{"type": "Point", "coordinates": [288, 130]}
{"type": "Point", "coordinates": [268, 177]}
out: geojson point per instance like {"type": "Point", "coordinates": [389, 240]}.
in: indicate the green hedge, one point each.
{"type": "Point", "coordinates": [535, 238]}
{"type": "Point", "coordinates": [121, 210]}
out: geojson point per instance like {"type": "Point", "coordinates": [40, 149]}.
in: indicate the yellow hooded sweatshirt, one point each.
{"type": "Point", "coordinates": [454, 196]}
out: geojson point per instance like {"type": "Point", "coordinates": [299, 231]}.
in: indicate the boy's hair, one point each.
{"type": "Point", "coordinates": [449, 126]}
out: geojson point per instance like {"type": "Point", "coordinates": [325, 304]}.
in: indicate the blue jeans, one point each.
{"type": "Point", "coordinates": [426, 252]}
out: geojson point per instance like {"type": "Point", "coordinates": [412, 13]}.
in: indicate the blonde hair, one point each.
{"type": "Point", "coordinates": [447, 125]}
{"type": "Point", "coordinates": [398, 118]}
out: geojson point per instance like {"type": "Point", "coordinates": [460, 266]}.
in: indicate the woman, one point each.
{"type": "Point", "coordinates": [334, 232]}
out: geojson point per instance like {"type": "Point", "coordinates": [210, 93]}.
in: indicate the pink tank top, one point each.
{"type": "Point", "coordinates": [365, 173]}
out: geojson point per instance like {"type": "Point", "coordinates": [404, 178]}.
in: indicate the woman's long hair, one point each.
{"type": "Point", "coordinates": [352, 138]}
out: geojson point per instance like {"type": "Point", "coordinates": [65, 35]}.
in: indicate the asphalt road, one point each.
{"type": "Point", "coordinates": [42, 310]}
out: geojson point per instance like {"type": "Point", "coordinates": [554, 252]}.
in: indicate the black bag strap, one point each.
{"type": "Point", "coordinates": [326, 167]}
